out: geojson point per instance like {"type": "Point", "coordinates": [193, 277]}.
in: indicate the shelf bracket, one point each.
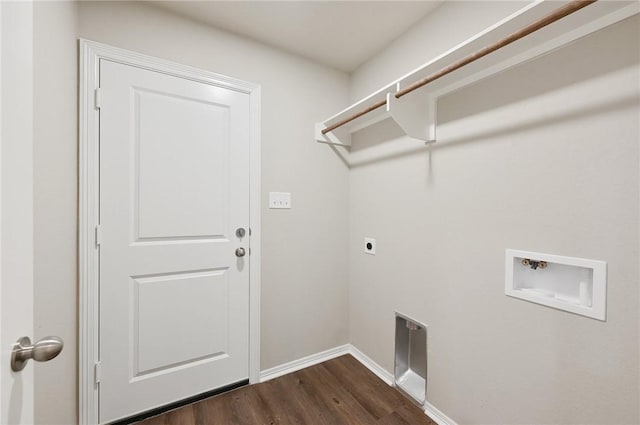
{"type": "Point", "coordinates": [339, 136]}
{"type": "Point", "coordinates": [416, 115]}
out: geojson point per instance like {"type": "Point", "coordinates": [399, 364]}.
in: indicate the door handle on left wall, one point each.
{"type": "Point", "coordinates": [42, 351]}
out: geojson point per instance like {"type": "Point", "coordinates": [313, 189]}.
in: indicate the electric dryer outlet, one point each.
{"type": "Point", "coordinates": [370, 246]}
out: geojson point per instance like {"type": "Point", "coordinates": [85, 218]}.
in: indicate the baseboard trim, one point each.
{"type": "Point", "coordinates": [374, 367]}
{"type": "Point", "coordinates": [436, 415]}
{"type": "Point", "coordinates": [430, 410]}
{"type": "Point", "coordinates": [296, 365]}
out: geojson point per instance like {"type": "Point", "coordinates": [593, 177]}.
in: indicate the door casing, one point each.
{"type": "Point", "coordinates": [90, 55]}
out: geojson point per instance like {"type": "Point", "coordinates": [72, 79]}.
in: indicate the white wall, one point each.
{"type": "Point", "coordinates": [543, 157]}
{"type": "Point", "coordinates": [55, 205]}
{"type": "Point", "coordinates": [441, 30]}
{"type": "Point", "coordinates": [304, 250]}
{"type": "Point", "coordinates": [442, 220]}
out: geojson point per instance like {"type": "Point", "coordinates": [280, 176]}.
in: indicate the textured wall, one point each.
{"type": "Point", "coordinates": [55, 184]}
{"type": "Point", "coordinates": [304, 266]}
{"type": "Point", "coordinates": [543, 157]}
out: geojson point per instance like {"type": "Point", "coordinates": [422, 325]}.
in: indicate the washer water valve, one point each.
{"type": "Point", "coordinates": [534, 264]}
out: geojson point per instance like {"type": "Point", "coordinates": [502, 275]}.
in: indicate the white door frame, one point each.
{"type": "Point", "coordinates": [90, 55]}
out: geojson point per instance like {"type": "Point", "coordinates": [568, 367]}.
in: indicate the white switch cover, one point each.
{"type": "Point", "coordinates": [279, 200]}
{"type": "Point", "coordinates": [370, 246]}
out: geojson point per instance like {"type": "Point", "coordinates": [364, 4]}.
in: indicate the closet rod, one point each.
{"type": "Point", "coordinates": [556, 15]}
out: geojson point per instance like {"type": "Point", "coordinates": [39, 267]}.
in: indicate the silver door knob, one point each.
{"type": "Point", "coordinates": [44, 350]}
{"type": "Point", "coordinates": [240, 252]}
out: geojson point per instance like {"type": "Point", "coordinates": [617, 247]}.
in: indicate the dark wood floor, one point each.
{"type": "Point", "coordinates": [337, 392]}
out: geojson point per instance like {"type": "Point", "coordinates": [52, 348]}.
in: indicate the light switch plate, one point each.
{"type": "Point", "coordinates": [279, 200]}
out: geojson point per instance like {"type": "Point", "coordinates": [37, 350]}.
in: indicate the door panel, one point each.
{"type": "Point", "coordinates": [197, 329]}
{"type": "Point", "coordinates": [174, 298]}
{"type": "Point", "coordinates": [184, 146]}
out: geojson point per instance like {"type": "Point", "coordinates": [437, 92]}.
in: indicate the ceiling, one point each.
{"type": "Point", "coordinates": [340, 34]}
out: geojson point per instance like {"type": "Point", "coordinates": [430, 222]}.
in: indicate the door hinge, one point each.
{"type": "Point", "coordinates": [98, 98]}
{"type": "Point", "coordinates": [98, 235]}
{"type": "Point", "coordinates": [97, 372]}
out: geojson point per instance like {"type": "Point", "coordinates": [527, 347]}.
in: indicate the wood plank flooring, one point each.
{"type": "Point", "coordinates": [337, 392]}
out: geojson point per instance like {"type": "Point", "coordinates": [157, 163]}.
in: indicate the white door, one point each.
{"type": "Point", "coordinates": [16, 205]}
{"type": "Point", "coordinates": [174, 284]}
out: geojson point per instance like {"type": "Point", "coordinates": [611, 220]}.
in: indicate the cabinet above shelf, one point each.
{"type": "Point", "coordinates": [416, 112]}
